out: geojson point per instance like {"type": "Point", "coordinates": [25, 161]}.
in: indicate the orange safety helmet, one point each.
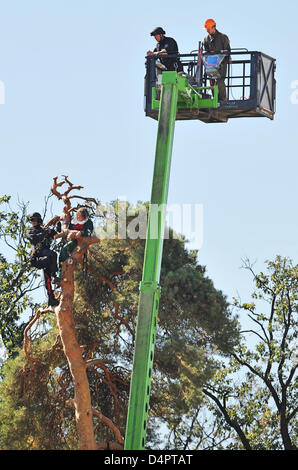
{"type": "Point", "coordinates": [209, 23]}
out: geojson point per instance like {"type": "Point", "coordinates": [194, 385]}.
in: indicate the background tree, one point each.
{"type": "Point", "coordinates": [194, 321]}
{"type": "Point", "coordinates": [255, 394]}
{"type": "Point", "coordinates": [17, 280]}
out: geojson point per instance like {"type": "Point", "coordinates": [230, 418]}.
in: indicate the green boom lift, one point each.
{"type": "Point", "coordinates": [183, 97]}
{"type": "Point", "coordinates": [175, 92]}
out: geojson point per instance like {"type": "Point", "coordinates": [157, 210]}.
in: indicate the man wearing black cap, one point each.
{"type": "Point", "coordinates": [166, 45]}
{"type": "Point", "coordinates": [42, 257]}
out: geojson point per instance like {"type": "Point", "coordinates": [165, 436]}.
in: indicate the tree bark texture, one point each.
{"type": "Point", "coordinates": [73, 351]}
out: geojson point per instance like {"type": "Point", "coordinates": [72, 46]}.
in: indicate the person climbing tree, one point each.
{"type": "Point", "coordinates": [80, 226]}
{"type": "Point", "coordinates": [42, 257]}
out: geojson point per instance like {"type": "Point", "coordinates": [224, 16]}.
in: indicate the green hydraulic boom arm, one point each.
{"type": "Point", "coordinates": [175, 93]}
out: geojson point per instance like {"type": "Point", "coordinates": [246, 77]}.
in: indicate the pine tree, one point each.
{"type": "Point", "coordinates": [194, 322]}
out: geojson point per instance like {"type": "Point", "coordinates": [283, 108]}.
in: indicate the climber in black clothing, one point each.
{"type": "Point", "coordinates": [42, 257]}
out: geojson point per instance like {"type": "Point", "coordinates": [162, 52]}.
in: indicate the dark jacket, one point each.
{"type": "Point", "coordinates": [86, 228]}
{"type": "Point", "coordinates": [217, 42]}
{"type": "Point", "coordinates": [40, 237]}
{"type": "Point", "coordinates": [170, 45]}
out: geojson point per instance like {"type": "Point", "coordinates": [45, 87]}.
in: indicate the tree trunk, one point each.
{"type": "Point", "coordinates": [288, 445]}
{"type": "Point", "coordinates": [73, 353]}
{"type": "Point", "coordinates": [65, 322]}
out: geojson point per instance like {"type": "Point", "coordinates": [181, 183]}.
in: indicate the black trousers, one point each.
{"type": "Point", "coordinates": [46, 260]}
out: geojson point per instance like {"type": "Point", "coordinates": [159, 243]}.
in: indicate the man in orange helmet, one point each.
{"type": "Point", "coordinates": [216, 42]}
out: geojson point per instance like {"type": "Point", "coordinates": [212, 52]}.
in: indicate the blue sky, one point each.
{"type": "Point", "coordinates": [74, 77]}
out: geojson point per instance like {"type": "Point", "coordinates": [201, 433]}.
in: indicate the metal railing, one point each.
{"type": "Point", "coordinates": [242, 75]}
